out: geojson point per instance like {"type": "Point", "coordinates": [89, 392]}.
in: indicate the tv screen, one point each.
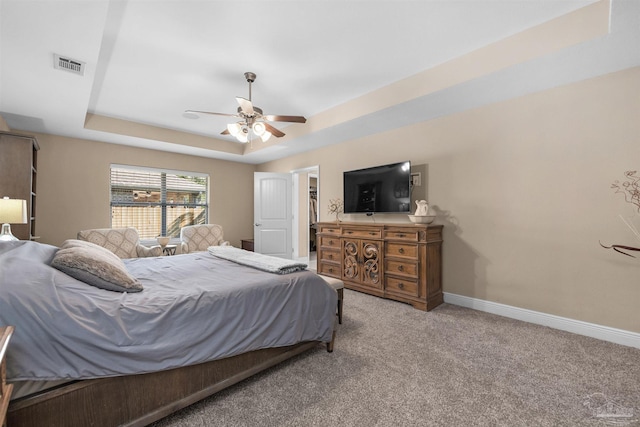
{"type": "Point", "coordinates": [380, 189]}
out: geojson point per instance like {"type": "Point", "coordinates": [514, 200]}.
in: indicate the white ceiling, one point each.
{"type": "Point", "coordinates": [148, 61]}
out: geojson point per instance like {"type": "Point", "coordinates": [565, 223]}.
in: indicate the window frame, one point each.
{"type": "Point", "coordinates": [155, 176]}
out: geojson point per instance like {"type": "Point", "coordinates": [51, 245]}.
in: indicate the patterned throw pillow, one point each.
{"type": "Point", "coordinates": [94, 265]}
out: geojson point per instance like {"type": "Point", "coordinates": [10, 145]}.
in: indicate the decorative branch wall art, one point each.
{"type": "Point", "coordinates": [630, 189]}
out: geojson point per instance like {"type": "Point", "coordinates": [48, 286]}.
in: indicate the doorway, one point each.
{"type": "Point", "coordinates": [306, 195]}
{"type": "Point", "coordinates": [273, 214]}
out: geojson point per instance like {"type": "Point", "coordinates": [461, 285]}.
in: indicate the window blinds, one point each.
{"type": "Point", "coordinates": [157, 202]}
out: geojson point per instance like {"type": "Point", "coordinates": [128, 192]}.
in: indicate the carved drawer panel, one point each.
{"type": "Point", "coordinates": [401, 267]}
{"type": "Point", "coordinates": [408, 235]}
{"type": "Point", "coordinates": [359, 233]}
{"type": "Point", "coordinates": [402, 286]}
{"type": "Point", "coordinates": [361, 262]}
{"type": "Point", "coordinates": [401, 250]}
{"type": "Point", "coordinates": [330, 242]}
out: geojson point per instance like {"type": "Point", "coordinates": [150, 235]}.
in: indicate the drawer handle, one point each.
{"type": "Point", "coordinates": [372, 233]}
{"type": "Point", "coordinates": [349, 232]}
{"type": "Point", "coordinates": [400, 268]}
{"type": "Point", "coordinates": [331, 242]}
{"type": "Point", "coordinates": [330, 269]}
{"type": "Point", "coordinates": [401, 285]}
{"type": "Point", "coordinates": [401, 235]}
{"type": "Point", "coordinates": [401, 250]}
{"type": "Point", "coordinates": [330, 256]}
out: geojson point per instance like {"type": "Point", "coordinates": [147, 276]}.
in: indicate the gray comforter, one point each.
{"type": "Point", "coordinates": [194, 308]}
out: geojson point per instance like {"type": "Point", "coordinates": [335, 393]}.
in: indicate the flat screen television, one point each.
{"type": "Point", "coordinates": [379, 189]}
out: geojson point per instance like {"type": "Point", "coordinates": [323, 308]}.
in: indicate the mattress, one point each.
{"type": "Point", "coordinates": [194, 308]}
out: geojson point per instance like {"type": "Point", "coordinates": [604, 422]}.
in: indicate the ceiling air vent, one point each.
{"type": "Point", "coordinates": [68, 64]}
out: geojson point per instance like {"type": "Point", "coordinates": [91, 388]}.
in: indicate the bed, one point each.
{"type": "Point", "coordinates": [82, 355]}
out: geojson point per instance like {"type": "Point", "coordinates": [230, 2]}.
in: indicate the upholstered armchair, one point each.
{"type": "Point", "coordinates": [124, 242]}
{"type": "Point", "coordinates": [197, 238]}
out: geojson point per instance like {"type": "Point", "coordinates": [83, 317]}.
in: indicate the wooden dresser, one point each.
{"type": "Point", "coordinates": [398, 261]}
{"type": "Point", "coordinates": [5, 389]}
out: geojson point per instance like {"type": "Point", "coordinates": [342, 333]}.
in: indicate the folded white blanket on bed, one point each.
{"type": "Point", "coordinates": [262, 262]}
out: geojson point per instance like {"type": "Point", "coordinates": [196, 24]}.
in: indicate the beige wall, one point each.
{"type": "Point", "coordinates": [523, 190]}
{"type": "Point", "coordinates": [73, 186]}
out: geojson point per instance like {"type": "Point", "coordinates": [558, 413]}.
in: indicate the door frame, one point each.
{"type": "Point", "coordinates": [296, 202]}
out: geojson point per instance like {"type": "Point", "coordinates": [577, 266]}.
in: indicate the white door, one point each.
{"type": "Point", "coordinates": [272, 213]}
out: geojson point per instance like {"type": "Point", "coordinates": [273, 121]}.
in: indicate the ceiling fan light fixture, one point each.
{"type": "Point", "coordinates": [234, 128]}
{"type": "Point", "coordinates": [243, 134]}
{"type": "Point", "coordinates": [252, 120]}
{"type": "Point", "coordinates": [259, 128]}
{"type": "Point", "coordinates": [265, 136]}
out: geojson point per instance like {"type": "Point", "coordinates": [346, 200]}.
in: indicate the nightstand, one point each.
{"type": "Point", "coordinates": [169, 250]}
{"type": "Point", "coordinates": [247, 244]}
{"type": "Point", "coordinates": [5, 389]}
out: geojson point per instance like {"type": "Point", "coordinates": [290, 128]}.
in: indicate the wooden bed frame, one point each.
{"type": "Point", "coordinates": [138, 400]}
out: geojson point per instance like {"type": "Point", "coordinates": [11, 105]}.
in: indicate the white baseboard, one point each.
{"type": "Point", "coordinates": [618, 336]}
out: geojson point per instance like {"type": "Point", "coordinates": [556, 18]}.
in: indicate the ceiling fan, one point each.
{"type": "Point", "coordinates": [252, 119]}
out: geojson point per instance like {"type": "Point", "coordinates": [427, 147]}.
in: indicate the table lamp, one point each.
{"type": "Point", "coordinates": [12, 211]}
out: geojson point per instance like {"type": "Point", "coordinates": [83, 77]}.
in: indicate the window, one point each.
{"type": "Point", "coordinates": [157, 202]}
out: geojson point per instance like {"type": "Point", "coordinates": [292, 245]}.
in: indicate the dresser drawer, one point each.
{"type": "Point", "coordinates": [332, 255]}
{"type": "Point", "coordinates": [328, 269]}
{"type": "Point", "coordinates": [329, 229]}
{"type": "Point", "coordinates": [401, 286]}
{"type": "Point", "coordinates": [406, 250]}
{"type": "Point", "coordinates": [362, 233]}
{"type": "Point", "coordinates": [401, 267]}
{"type": "Point", "coordinates": [408, 235]}
{"type": "Point", "coordinates": [330, 242]}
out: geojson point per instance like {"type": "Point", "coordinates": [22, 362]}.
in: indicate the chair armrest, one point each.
{"type": "Point", "coordinates": [225, 243]}
{"type": "Point", "coordinates": [145, 251]}
{"type": "Point", "coordinates": [184, 248]}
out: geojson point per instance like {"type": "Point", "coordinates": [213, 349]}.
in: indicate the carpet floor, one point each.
{"type": "Point", "coordinates": [394, 365]}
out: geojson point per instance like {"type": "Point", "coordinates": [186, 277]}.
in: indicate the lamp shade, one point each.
{"type": "Point", "coordinates": [242, 136]}
{"type": "Point", "coordinates": [234, 128]}
{"type": "Point", "coordinates": [259, 128]}
{"type": "Point", "coordinates": [265, 136]}
{"type": "Point", "coordinates": [243, 132]}
{"type": "Point", "coordinates": [13, 211]}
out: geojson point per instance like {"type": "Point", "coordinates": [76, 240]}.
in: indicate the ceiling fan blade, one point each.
{"type": "Point", "coordinates": [274, 131]}
{"type": "Point", "coordinates": [209, 112]}
{"type": "Point", "coordinates": [246, 106]}
{"type": "Point", "coordinates": [293, 119]}
{"type": "Point", "coordinates": [225, 132]}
